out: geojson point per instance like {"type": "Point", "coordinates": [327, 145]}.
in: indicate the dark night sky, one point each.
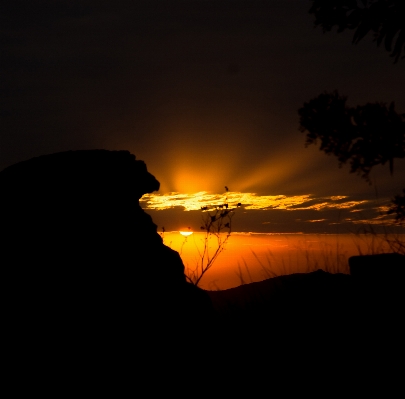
{"type": "Point", "coordinates": [206, 92]}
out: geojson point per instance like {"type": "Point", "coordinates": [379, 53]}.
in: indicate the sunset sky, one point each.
{"type": "Point", "coordinates": [207, 93]}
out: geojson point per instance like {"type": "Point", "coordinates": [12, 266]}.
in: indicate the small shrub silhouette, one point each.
{"type": "Point", "coordinates": [217, 227]}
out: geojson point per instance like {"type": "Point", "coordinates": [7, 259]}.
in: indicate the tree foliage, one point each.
{"type": "Point", "coordinates": [384, 18]}
{"type": "Point", "coordinates": [365, 136]}
{"type": "Point", "coordinates": [398, 207]}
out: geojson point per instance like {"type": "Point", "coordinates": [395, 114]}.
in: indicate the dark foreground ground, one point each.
{"type": "Point", "coordinates": [316, 326]}
{"type": "Point", "coordinates": [292, 336]}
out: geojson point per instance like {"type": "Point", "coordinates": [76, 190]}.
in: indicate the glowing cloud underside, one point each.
{"type": "Point", "coordinates": [192, 202]}
{"type": "Point", "coordinates": [325, 205]}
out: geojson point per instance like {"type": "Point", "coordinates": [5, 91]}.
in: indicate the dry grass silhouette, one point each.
{"type": "Point", "coordinates": [322, 256]}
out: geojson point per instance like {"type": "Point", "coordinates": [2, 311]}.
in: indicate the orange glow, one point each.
{"type": "Point", "coordinates": [185, 181]}
{"type": "Point", "coordinates": [252, 257]}
{"type": "Point", "coordinates": [205, 157]}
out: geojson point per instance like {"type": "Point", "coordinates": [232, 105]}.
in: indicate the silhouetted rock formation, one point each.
{"type": "Point", "coordinates": [379, 279]}
{"type": "Point", "coordinates": [378, 268]}
{"type": "Point", "coordinates": [82, 262]}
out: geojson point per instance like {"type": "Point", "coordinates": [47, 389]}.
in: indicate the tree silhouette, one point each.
{"type": "Point", "coordinates": [384, 18]}
{"type": "Point", "coordinates": [365, 136]}
{"type": "Point", "coordinates": [371, 134]}
{"type": "Point", "coordinates": [398, 207]}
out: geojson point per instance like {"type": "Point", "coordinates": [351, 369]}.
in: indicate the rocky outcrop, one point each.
{"type": "Point", "coordinates": [379, 281]}
{"type": "Point", "coordinates": [378, 267]}
{"type": "Point", "coordinates": [82, 259]}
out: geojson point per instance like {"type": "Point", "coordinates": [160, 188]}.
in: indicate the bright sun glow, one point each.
{"type": "Point", "coordinates": [185, 233]}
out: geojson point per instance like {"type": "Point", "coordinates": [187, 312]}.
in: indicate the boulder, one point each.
{"type": "Point", "coordinates": [379, 298]}
{"type": "Point", "coordinates": [82, 263]}
{"type": "Point", "coordinates": [380, 274]}
{"type": "Point", "coordinates": [378, 267]}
